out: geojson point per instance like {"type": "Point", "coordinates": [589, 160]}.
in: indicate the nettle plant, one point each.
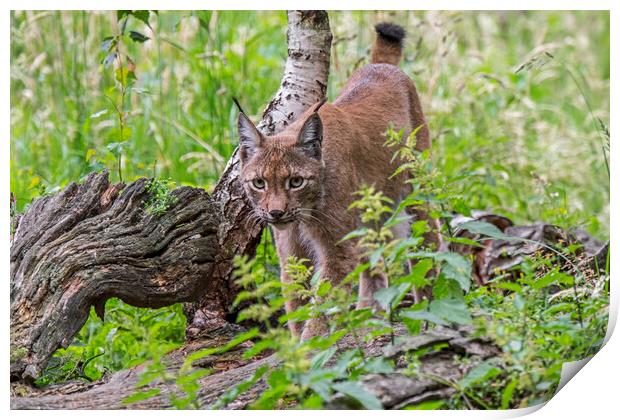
{"type": "Point", "coordinates": [539, 318]}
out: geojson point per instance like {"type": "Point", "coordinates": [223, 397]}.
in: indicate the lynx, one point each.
{"type": "Point", "coordinates": [302, 180]}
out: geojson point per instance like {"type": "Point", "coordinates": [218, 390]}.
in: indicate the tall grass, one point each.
{"type": "Point", "coordinates": [524, 143]}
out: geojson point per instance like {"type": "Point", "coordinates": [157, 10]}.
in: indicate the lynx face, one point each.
{"type": "Point", "coordinates": [282, 174]}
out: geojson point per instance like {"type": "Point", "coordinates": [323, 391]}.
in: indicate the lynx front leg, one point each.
{"type": "Point", "coordinates": [335, 265]}
{"type": "Point", "coordinates": [288, 244]}
{"type": "Point", "coordinates": [369, 284]}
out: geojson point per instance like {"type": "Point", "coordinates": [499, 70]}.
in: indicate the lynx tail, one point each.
{"type": "Point", "coordinates": [388, 47]}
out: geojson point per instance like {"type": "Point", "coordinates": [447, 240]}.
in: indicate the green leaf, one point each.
{"type": "Point", "coordinates": [414, 326]}
{"type": "Point", "coordinates": [138, 37]}
{"type": "Point", "coordinates": [141, 15]}
{"type": "Point", "coordinates": [464, 280]}
{"type": "Point", "coordinates": [388, 297]}
{"type": "Point", "coordinates": [117, 147]}
{"type": "Point", "coordinates": [402, 246]}
{"type": "Point", "coordinates": [508, 392]}
{"type": "Point", "coordinates": [506, 285]}
{"type": "Point", "coordinates": [427, 405]}
{"type": "Point", "coordinates": [465, 241]}
{"type": "Point", "coordinates": [447, 288]}
{"type": "Point", "coordinates": [480, 373]}
{"type": "Point", "coordinates": [423, 315]}
{"type": "Point", "coordinates": [323, 289]}
{"type": "Point", "coordinates": [551, 278]}
{"type": "Point", "coordinates": [559, 307]}
{"type": "Point", "coordinates": [355, 234]}
{"type": "Point", "coordinates": [359, 393]}
{"type": "Point", "coordinates": [120, 14]}
{"type": "Point", "coordinates": [455, 266]}
{"type": "Point", "coordinates": [319, 360]}
{"type": "Point", "coordinates": [345, 360]}
{"type": "Point", "coordinates": [379, 365]}
{"type": "Point", "coordinates": [374, 257]}
{"type": "Point", "coordinates": [482, 228]}
{"type": "Point", "coordinates": [460, 206]}
{"type": "Point", "coordinates": [141, 396]}
{"type": "Point", "coordinates": [125, 76]}
{"type": "Point", "coordinates": [395, 220]}
{"type": "Point", "coordinates": [452, 310]}
{"type": "Point", "coordinates": [421, 269]}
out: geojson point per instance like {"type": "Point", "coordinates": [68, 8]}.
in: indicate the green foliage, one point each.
{"type": "Point", "coordinates": [159, 199]}
{"type": "Point", "coordinates": [543, 323]}
{"type": "Point", "coordinates": [128, 336]}
{"type": "Point", "coordinates": [547, 318]}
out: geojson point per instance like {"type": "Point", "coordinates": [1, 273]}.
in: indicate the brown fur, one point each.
{"type": "Point", "coordinates": [335, 151]}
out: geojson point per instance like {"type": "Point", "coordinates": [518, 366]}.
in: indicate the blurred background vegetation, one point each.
{"type": "Point", "coordinates": [517, 103]}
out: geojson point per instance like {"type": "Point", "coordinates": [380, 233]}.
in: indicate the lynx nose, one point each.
{"type": "Point", "coordinates": [276, 214]}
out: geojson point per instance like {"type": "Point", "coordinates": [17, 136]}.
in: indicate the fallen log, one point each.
{"type": "Point", "coordinates": [394, 390]}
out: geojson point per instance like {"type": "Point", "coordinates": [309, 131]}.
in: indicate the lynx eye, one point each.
{"type": "Point", "coordinates": [296, 182]}
{"type": "Point", "coordinates": [258, 183]}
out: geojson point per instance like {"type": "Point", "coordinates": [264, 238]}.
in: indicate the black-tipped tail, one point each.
{"type": "Point", "coordinates": [388, 46]}
{"type": "Point", "coordinates": [391, 32]}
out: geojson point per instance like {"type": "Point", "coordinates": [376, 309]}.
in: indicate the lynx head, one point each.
{"type": "Point", "coordinates": [282, 174]}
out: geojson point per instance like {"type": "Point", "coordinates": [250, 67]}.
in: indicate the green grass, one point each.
{"type": "Point", "coordinates": [529, 144]}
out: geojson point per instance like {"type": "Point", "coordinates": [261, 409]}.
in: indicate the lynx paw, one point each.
{"type": "Point", "coordinates": [314, 327]}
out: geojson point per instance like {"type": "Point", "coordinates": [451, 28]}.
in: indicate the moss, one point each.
{"type": "Point", "coordinates": [18, 353]}
{"type": "Point", "coordinates": [160, 198]}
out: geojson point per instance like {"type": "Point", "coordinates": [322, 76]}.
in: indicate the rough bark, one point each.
{"type": "Point", "coordinates": [95, 240]}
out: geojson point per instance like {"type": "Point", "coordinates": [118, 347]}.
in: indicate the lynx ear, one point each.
{"type": "Point", "coordinates": [310, 136]}
{"type": "Point", "coordinates": [250, 139]}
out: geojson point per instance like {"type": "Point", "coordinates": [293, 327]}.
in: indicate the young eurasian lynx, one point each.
{"type": "Point", "coordinates": [302, 180]}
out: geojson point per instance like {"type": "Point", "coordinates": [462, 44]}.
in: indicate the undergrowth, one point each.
{"type": "Point", "coordinates": [538, 315]}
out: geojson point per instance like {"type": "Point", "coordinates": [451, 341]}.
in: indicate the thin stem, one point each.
{"type": "Point", "coordinates": [585, 98]}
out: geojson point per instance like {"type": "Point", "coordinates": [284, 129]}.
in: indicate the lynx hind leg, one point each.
{"type": "Point", "coordinates": [288, 243]}
{"type": "Point", "coordinates": [432, 240]}
{"type": "Point", "coordinates": [370, 283]}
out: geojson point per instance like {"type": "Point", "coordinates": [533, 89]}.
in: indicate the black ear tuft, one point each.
{"type": "Point", "coordinates": [238, 105]}
{"type": "Point", "coordinates": [250, 138]}
{"type": "Point", "coordinates": [310, 136]}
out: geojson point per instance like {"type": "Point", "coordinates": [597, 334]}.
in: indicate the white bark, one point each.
{"type": "Point", "coordinates": [306, 71]}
